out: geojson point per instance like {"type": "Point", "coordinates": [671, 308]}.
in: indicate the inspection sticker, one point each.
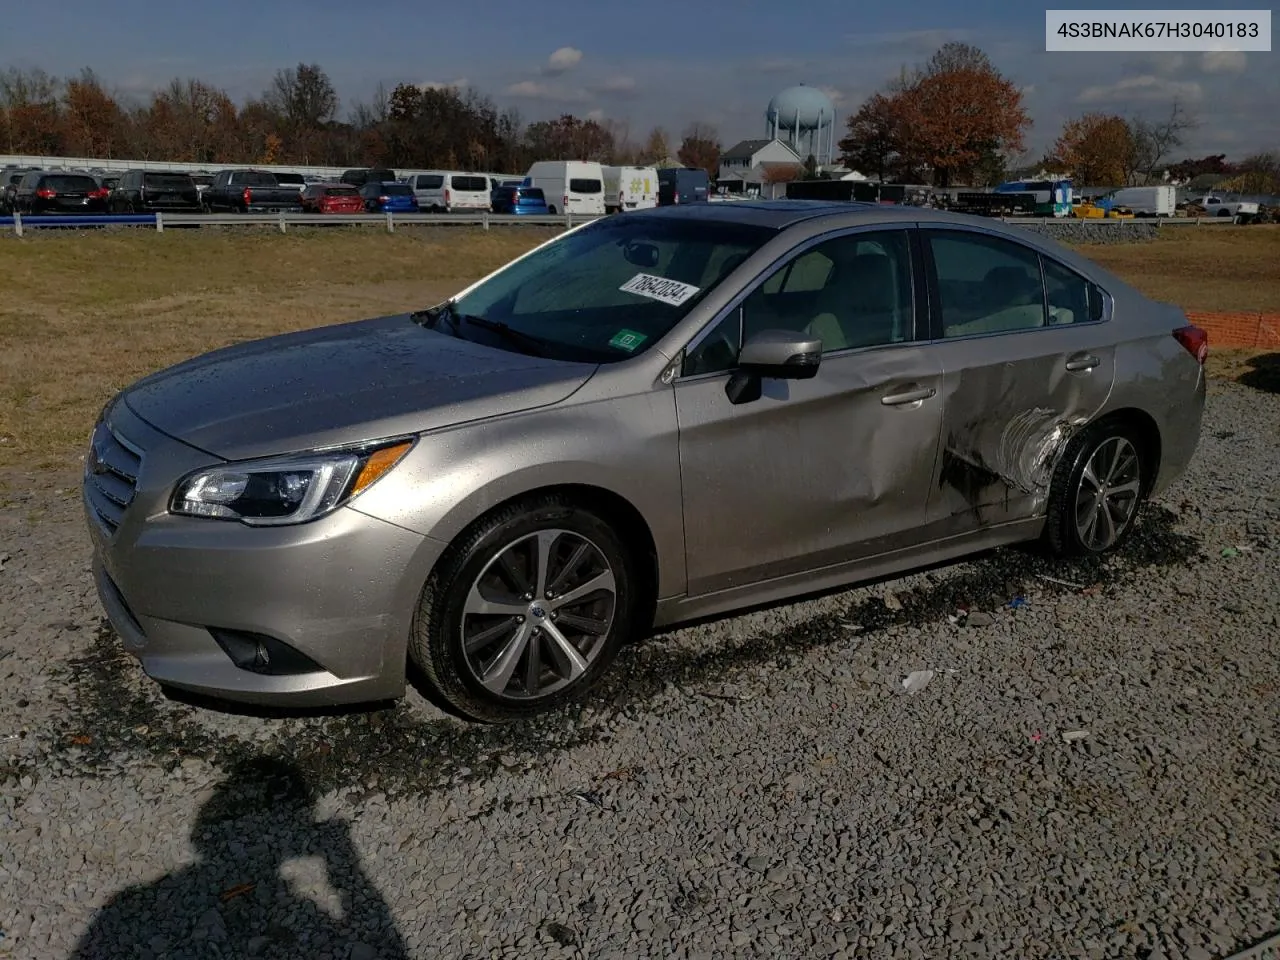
{"type": "Point", "coordinates": [627, 340]}
{"type": "Point", "coordinates": [672, 292]}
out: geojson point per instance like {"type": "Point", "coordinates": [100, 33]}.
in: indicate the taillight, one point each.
{"type": "Point", "coordinates": [248, 196]}
{"type": "Point", "coordinates": [383, 199]}
{"type": "Point", "coordinates": [44, 193]}
{"type": "Point", "coordinates": [447, 196]}
{"type": "Point", "coordinates": [100, 194]}
{"type": "Point", "coordinates": [564, 202]}
{"type": "Point", "coordinates": [1195, 340]}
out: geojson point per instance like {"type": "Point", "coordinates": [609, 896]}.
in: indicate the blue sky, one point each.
{"type": "Point", "coordinates": [644, 63]}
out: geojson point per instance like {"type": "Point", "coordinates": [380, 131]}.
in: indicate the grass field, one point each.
{"type": "Point", "coordinates": [82, 316]}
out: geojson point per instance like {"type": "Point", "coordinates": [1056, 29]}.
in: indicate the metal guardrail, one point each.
{"type": "Point", "coordinates": [283, 221]}
{"type": "Point", "coordinates": [485, 220]}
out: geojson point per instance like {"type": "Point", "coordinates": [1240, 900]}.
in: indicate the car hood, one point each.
{"type": "Point", "coordinates": [343, 384]}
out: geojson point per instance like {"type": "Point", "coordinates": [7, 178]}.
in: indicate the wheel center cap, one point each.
{"type": "Point", "coordinates": [537, 611]}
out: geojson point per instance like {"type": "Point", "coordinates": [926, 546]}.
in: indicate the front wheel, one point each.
{"type": "Point", "coordinates": [526, 611]}
{"type": "Point", "coordinates": [1096, 490]}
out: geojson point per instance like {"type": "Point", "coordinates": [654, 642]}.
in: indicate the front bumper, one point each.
{"type": "Point", "coordinates": [339, 591]}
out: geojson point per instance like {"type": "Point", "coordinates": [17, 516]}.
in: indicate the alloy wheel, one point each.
{"type": "Point", "coordinates": [1107, 497]}
{"type": "Point", "coordinates": [538, 614]}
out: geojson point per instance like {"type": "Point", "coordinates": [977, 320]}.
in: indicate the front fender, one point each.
{"type": "Point", "coordinates": [626, 446]}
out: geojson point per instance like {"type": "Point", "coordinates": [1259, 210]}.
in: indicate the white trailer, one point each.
{"type": "Point", "coordinates": [1158, 201]}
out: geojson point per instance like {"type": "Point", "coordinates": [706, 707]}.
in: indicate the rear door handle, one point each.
{"type": "Point", "coordinates": [908, 396]}
{"type": "Point", "coordinates": [1083, 363]}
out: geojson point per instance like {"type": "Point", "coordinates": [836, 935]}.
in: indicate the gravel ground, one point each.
{"type": "Point", "coordinates": [1092, 771]}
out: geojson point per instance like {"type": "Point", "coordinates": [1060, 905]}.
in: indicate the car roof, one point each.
{"type": "Point", "coordinates": [781, 214]}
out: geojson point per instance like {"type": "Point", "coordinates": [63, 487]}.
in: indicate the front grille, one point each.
{"type": "Point", "coordinates": [111, 475]}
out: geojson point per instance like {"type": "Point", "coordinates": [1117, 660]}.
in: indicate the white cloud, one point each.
{"type": "Point", "coordinates": [618, 85]}
{"type": "Point", "coordinates": [1144, 88]}
{"type": "Point", "coordinates": [837, 96]}
{"type": "Point", "coordinates": [438, 85]}
{"type": "Point", "coordinates": [596, 114]}
{"type": "Point", "coordinates": [529, 88]}
{"type": "Point", "coordinates": [1224, 61]}
{"type": "Point", "coordinates": [562, 61]}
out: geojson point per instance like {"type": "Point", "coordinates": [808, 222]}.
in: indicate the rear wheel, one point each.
{"type": "Point", "coordinates": [526, 611]}
{"type": "Point", "coordinates": [1096, 490]}
{"type": "Point", "coordinates": [551, 211]}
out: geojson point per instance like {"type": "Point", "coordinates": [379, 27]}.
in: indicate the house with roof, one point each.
{"type": "Point", "coordinates": [754, 167]}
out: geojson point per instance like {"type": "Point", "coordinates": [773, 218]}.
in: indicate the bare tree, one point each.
{"type": "Point", "coordinates": [1154, 141]}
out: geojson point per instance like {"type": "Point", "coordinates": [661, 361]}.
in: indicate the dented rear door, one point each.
{"type": "Point", "coordinates": [1011, 398]}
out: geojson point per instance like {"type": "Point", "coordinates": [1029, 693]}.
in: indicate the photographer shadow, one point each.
{"type": "Point", "coordinates": [270, 881]}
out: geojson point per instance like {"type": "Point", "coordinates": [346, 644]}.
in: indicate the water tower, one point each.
{"type": "Point", "coordinates": [805, 118]}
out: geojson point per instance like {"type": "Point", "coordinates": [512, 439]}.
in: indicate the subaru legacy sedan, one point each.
{"type": "Point", "coordinates": [648, 419]}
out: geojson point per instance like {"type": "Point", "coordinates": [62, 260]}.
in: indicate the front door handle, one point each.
{"type": "Point", "coordinates": [1082, 363]}
{"type": "Point", "coordinates": [908, 396]}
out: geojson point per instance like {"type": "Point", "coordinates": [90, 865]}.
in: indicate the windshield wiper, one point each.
{"type": "Point", "coordinates": [526, 341]}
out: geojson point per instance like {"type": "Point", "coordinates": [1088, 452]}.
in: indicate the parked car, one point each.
{"type": "Point", "coordinates": [359, 176]}
{"type": "Point", "coordinates": [630, 188]}
{"type": "Point", "coordinates": [246, 191]}
{"type": "Point", "coordinates": [332, 198]}
{"type": "Point", "coordinates": [655, 417]}
{"type": "Point", "coordinates": [9, 186]}
{"type": "Point", "coordinates": [203, 181]}
{"type": "Point", "coordinates": [42, 192]}
{"type": "Point", "coordinates": [155, 191]}
{"type": "Point", "coordinates": [519, 200]}
{"type": "Point", "coordinates": [389, 197]}
{"type": "Point", "coordinates": [678, 185]}
{"type": "Point", "coordinates": [443, 191]}
{"type": "Point", "coordinates": [570, 186]}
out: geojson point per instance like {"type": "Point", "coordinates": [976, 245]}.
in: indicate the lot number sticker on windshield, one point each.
{"type": "Point", "coordinates": [672, 292]}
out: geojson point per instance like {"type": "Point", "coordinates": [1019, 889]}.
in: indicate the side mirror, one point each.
{"type": "Point", "coordinates": [781, 355]}
{"type": "Point", "coordinates": [777, 354]}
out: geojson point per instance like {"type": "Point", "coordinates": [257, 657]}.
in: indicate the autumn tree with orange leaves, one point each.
{"type": "Point", "coordinates": [1097, 149]}
{"type": "Point", "coordinates": [957, 111]}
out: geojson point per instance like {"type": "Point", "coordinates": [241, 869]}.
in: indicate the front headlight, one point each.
{"type": "Point", "coordinates": [283, 490]}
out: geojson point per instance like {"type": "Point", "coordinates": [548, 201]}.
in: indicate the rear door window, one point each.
{"type": "Point", "coordinates": [430, 181]}
{"type": "Point", "coordinates": [986, 284]}
{"type": "Point", "coordinates": [471, 184]}
{"type": "Point", "coordinates": [255, 179]}
{"type": "Point", "coordinates": [532, 193]}
{"type": "Point", "coordinates": [70, 184]}
{"type": "Point", "coordinates": [396, 190]}
{"type": "Point", "coordinates": [167, 181]}
{"type": "Point", "coordinates": [585, 186]}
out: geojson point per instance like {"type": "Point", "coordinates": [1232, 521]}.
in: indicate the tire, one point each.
{"type": "Point", "coordinates": [1076, 525]}
{"type": "Point", "coordinates": [484, 565]}
{"type": "Point", "coordinates": [551, 211]}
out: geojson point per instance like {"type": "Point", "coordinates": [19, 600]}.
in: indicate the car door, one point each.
{"type": "Point", "coordinates": [1027, 358]}
{"type": "Point", "coordinates": [815, 471]}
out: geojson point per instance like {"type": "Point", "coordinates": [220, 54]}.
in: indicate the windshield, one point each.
{"type": "Point", "coordinates": [613, 288]}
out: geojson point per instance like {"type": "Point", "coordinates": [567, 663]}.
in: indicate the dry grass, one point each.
{"type": "Point", "coordinates": [1202, 268]}
{"type": "Point", "coordinates": [83, 315]}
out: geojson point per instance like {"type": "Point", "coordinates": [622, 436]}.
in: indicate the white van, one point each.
{"type": "Point", "coordinates": [570, 186]}
{"type": "Point", "coordinates": [446, 191]}
{"type": "Point", "coordinates": [630, 188]}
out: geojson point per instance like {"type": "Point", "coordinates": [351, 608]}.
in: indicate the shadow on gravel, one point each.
{"type": "Point", "coordinates": [1263, 373]}
{"type": "Point", "coordinates": [236, 898]}
{"type": "Point", "coordinates": [117, 715]}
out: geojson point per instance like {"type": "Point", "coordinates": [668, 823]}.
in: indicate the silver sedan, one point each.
{"type": "Point", "coordinates": [651, 418]}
